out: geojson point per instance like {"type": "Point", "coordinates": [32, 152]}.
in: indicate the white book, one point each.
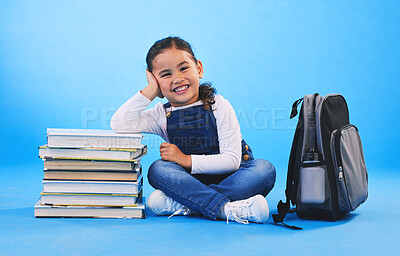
{"type": "Point", "coordinates": [91, 138]}
{"type": "Point", "coordinates": [83, 186]}
{"type": "Point", "coordinates": [137, 211]}
{"type": "Point", "coordinates": [89, 199]}
{"type": "Point", "coordinates": [111, 154]}
{"type": "Point", "coordinates": [109, 175]}
{"type": "Point", "coordinates": [89, 165]}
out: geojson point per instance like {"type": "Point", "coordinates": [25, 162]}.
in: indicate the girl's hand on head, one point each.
{"type": "Point", "coordinates": [152, 90]}
{"type": "Point", "coordinates": [170, 152]}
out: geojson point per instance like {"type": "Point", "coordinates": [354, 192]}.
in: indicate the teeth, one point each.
{"type": "Point", "coordinates": [180, 88]}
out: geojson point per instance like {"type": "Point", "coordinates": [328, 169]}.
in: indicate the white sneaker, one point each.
{"type": "Point", "coordinates": [161, 204]}
{"type": "Point", "coordinates": [254, 209]}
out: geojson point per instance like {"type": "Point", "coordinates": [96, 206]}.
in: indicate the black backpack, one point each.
{"type": "Point", "coordinates": [327, 175]}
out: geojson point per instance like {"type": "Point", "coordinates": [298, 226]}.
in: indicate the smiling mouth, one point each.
{"type": "Point", "coordinates": [181, 89]}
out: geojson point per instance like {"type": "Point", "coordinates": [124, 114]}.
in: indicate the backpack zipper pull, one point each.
{"type": "Point", "coordinates": [340, 173]}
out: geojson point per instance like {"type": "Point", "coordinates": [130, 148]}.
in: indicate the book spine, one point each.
{"type": "Point", "coordinates": [92, 142]}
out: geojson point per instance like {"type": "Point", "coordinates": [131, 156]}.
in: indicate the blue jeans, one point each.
{"type": "Point", "coordinates": [252, 178]}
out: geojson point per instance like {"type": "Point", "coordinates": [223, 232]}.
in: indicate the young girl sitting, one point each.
{"type": "Point", "coordinates": [206, 167]}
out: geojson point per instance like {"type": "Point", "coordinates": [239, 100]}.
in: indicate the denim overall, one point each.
{"type": "Point", "coordinates": [194, 131]}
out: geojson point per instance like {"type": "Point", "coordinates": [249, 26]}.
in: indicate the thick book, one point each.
{"type": "Point", "coordinates": [105, 154]}
{"type": "Point", "coordinates": [91, 138]}
{"type": "Point", "coordinates": [82, 186]}
{"type": "Point", "coordinates": [89, 199]}
{"type": "Point", "coordinates": [136, 212]}
{"type": "Point", "coordinates": [93, 175]}
{"type": "Point", "coordinates": [68, 164]}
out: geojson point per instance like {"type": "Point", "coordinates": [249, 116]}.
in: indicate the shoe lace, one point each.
{"type": "Point", "coordinates": [177, 208]}
{"type": "Point", "coordinates": [235, 218]}
{"type": "Point", "coordinates": [183, 210]}
{"type": "Point", "coordinates": [238, 212]}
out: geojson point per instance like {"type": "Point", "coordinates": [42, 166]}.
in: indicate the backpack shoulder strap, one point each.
{"type": "Point", "coordinates": [295, 156]}
{"type": "Point", "coordinates": [284, 208]}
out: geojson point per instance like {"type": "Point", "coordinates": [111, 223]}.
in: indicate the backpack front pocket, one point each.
{"type": "Point", "coordinates": [350, 169]}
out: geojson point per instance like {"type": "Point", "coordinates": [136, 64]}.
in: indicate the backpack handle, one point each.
{"type": "Point", "coordinates": [294, 108]}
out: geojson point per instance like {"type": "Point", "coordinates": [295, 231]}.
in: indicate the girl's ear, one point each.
{"type": "Point", "coordinates": [200, 69]}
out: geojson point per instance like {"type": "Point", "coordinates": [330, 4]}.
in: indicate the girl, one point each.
{"type": "Point", "coordinates": [205, 167]}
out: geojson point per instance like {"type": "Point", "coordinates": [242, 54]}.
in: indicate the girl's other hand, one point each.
{"type": "Point", "coordinates": [170, 152]}
{"type": "Point", "coordinates": [152, 90]}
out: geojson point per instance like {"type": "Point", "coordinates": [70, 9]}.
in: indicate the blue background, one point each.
{"type": "Point", "coordinates": [71, 64]}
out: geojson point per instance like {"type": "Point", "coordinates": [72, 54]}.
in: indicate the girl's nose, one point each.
{"type": "Point", "coordinates": [178, 80]}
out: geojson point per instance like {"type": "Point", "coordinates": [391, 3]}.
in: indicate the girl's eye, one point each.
{"type": "Point", "coordinates": [184, 68]}
{"type": "Point", "coordinates": [166, 74]}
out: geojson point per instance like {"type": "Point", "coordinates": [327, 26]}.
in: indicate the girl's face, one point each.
{"type": "Point", "coordinates": [178, 76]}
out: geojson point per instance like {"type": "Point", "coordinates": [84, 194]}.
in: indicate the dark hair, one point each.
{"type": "Point", "coordinates": [206, 91]}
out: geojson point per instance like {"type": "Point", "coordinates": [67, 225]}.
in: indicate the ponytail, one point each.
{"type": "Point", "coordinates": [207, 94]}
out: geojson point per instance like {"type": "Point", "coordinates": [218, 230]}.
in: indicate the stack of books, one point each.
{"type": "Point", "coordinates": [91, 173]}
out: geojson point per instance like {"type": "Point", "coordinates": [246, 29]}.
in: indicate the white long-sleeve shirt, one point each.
{"type": "Point", "coordinates": [132, 117]}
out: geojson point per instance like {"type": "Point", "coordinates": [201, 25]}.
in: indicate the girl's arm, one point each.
{"type": "Point", "coordinates": [132, 116]}
{"type": "Point", "coordinates": [229, 136]}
